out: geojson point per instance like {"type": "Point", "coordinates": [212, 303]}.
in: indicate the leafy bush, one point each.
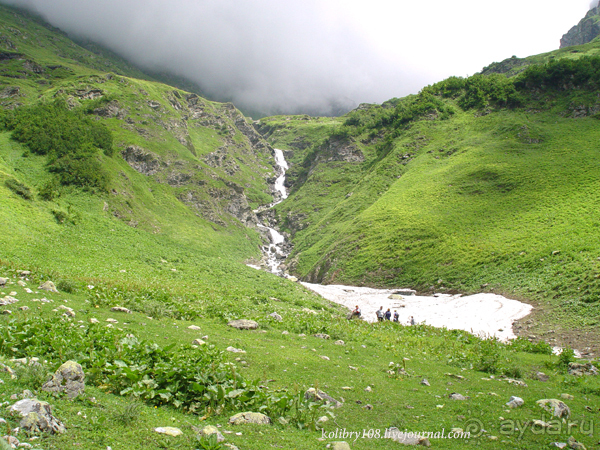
{"type": "Point", "coordinates": [18, 188]}
{"type": "Point", "coordinates": [70, 139]}
{"type": "Point", "coordinates": [562, 74]}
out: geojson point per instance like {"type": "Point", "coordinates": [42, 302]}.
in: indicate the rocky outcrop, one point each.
{"type": "Point", "coordinates": [141, 160]}
{"type": "Point", "coordinates": [585, 31]}
{"type": "Point", "coordinates": [68, 379]}
{"type": "Point", "coordinates": [37, 416]}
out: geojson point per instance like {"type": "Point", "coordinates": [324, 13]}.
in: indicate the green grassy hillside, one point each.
{"type": "Point", "coordinates": [480, 183]}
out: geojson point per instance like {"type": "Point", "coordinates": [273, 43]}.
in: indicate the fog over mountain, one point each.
{"type": "Point", "coordinates": [315, 56]}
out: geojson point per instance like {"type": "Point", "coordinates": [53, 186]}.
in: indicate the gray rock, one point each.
{"type": "Point", "coordinates": [320, 396]}
{"type": "Point", "coordinates": [573, 444]}
{"type": "Point", "coordinates": [48, 286]}
{"type": "Point", "coordinates": [424, 382]}
{"type": "Point", "coordinates": [556, 407]}
{"type": "Point", "coordinates": [198, 342]}
{"type": "Point", "coordinates": [578, 369]}
{"type": "Point", "coordinates": [235, 350]}
{"type": "Point", "coordinates": [276, 316]}
{"type": "Point", "coordinates": [194, 327]}
{"type": "Point", "coordinates": [456, 396]}
{"type": "Point", "coordinates": [243, 324]}
{"type": "Point", "coordinates": [37, 416]}
{"type": "Point", "coordinates": [340, 342]}
{"type": "Point", "coordinates": [321, 336]}
{"type": "Point", "coordinates": [120, 309]}
{"type": "Point", "coordinates": [515, 402]}
{"type": "Point", "coordinates": [3, 281]}
{"type": "Point", "coordinates": [249, 417]}
{"type": "Point", "coordinates": [210, 430]}
{"type": "Point", "coordinates": [69, 379]}
{"type": "Point", "coordinates": [541, 376]}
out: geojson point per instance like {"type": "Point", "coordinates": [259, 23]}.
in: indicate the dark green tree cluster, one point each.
{"type": "Point", "coordinates": [71, 140]}
{"type": "Point", "coordinates": [562, 74]}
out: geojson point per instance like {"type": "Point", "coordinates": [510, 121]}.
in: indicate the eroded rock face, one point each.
{"type": "Point", "coordinates": [141, 160]}
{"type": "Point", "coordinates": [585, 31]}
{"type": "Point", "coordinates": [37, 416]}
{"type": "Point", "coordinates": [68, 379]}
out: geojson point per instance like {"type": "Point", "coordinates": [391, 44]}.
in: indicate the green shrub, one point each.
{"type": "Point", "coordinates": [18, 188]}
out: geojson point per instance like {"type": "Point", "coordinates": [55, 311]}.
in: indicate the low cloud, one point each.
{"type": "Point", "coordinates": [264, 55]}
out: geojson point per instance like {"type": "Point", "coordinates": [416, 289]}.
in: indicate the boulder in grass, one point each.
{"type": "Point", "coordinates": [276, 316]}
{"type": "Point", "coordinates": [243, 324]}
{"type": "Point", "coordinates": [515, 402]}
{"type": "Point", "coordinates": [120, 309]}
{"type": "Point", "coordinates": [401, 437]}
{"type": "Point", "coordinates": [249, 417]}
{"type": "Point", "coordinates": [210, 430]}
{"type": "Point", "coordinates": [68, 379]}
{"type": "Point", "coordinates": [556, 407]}
{"type": "Point", "coordinates": [37, 416]}
{"type": "Point", "coordinates": [578, 369]}
{"type": "Point", "coordinates": [315, 395]}
{"type": "Point", "coordinates": [3, 281]}
{"type": "Point", "coordinates": [48, 286]}
{"type": "Point", "coordinates": [169, 431]}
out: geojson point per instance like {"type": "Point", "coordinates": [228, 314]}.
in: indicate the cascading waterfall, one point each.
{"type": "Point", "coordinates": [274, 252]}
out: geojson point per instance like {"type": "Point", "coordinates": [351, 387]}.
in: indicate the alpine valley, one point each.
{"type": "Point", "coordinates": [131, 210]}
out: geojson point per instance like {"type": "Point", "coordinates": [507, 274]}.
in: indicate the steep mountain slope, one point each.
{"type": "Point", "coordinates": [107, 178]}
{"type": "Point", "coordinates": [485, 182]}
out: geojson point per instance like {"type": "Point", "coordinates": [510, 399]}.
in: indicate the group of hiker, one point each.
{"type": "Point", "coordinates": [383, 315]}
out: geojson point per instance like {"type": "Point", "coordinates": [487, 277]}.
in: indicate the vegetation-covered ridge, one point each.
{"type": "Point", "coordinates": [484, 182]}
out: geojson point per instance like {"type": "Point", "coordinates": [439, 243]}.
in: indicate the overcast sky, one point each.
{"type": "Point", "coordinates": [299, 55]}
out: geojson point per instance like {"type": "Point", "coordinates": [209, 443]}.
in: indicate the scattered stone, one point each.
{"type": "Point", "coordinates": [210, 430]}
{"type": "Point", "coordinates": [396, 297]}
{"type": "Point", "coordinates": [456, 396]}
{"type": "Point", "coordinates": [346, 388]}
{"type": "Point", "coordinates": [368, 406]}
{"type": "Point", "coordinates": [48, 286]}
{"type": "Point", "coordinates": [516, 382]}
{"type": "Point", "coordinates": [340, 342]}
{"type": "Point", "coordinates": [395, 434]}
{"type": "Point", "coordinates": [339, 445]}
{"type": "Point", "coordinates": [7, 312]}
{"type": "Point", "coordinates": [3, 281]}
{"type": "Point", "coordinates": [24, 308]}
{"type": "Point", "coordinates": [567, 397]}
{"type": "Point", "coordinates": [321, 336]}
{"type": "Point", "coordinates": [249, 417]}
{"type": "Point", "coordinates": [120, 309]}
{"type": "Point", "coordinates": [275, 316]}
{"type": "Point", "coordinates": [69, 379]}
{"type": "Point", "coordinates": [352, 368]}
{"type": "Point", "coordinates": [558, 444]}
{"type": "Point", "coordinates": [21, 283]}
{"type": "Point", "coordinates": [198, 342]}
{"type": "Point", "coordinates": [29, 291]}
{"type": "Point", "coordinates": [8, 300]}
{"type": "Point", "coordinates": [368, 389]}
{"type": "Point", "coordinates": [169, 431]}
{"type": "Point", "coordinates": [405, 292]}
{"type": "Point", "coordinates": [294, 279]}
{"type": "Point", "coordinates": [574, 444]}
{"type": "Point", "coordinates": [24, 273]}
{"type": "Point", "coordinates": [424, 382]}
{"type": "Point", "coordinates": [320, 396]}
{"type": "Point", "coordinates": [579, 370]}
{"type": "Point", "coordinates": [194, 327]}
{"type": "Point", "coordinates": [94, 320]}
{"type": "Point", "coordinates": [243, 324]}
{"type": "Point", "coordinates": [515, 402]}
{"type": "Point", "coordinates": [541, 376]}
{"type": "Point", "coordinates": [556, 407]}
{"type": "Point", "coordinates": [326, 358]}
{"type": "Point", "coordinates": [12, 441]}
{"type": "Point", "coordinates": [109, 320]}
{"type": "Point", "coordinates": [68, 311]}
{"type": "Point", "coordinates": [285, 332]}
{"type": "Point", "coordinates": [37, 416]}
{"type": "Point", "coordinates": [235, 350]}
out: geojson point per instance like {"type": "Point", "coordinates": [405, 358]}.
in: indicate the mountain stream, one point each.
{"type": "Point", "coordinates": [484, 314]}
